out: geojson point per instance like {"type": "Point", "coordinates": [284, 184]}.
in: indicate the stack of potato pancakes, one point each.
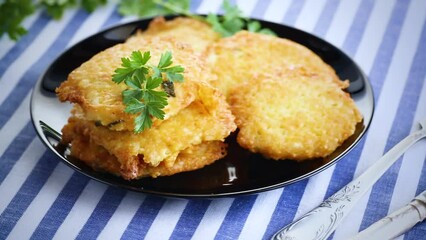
{"type": "Point", "coordinates": [286, 102]}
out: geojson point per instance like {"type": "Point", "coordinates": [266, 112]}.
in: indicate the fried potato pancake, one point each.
{"type": "Point", "coordinates": [194, 32]}
{"type": "Point", "coordinates": [208, 118]}
{"type": "Point", "coordinates": [91, 85]}
{"type": "Point", "coordinates": [191, 158]}
{"type": "Point", "coordinates": [293, 116]}
{"type": "Point", "coordinates": [246, 55]}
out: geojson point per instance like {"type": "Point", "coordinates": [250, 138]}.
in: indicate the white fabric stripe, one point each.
{"type": "Point", "coordinates": [20, 171]}
{"type": "Point", "coordinates": [342, 22]}
{"type": "Point", "coordinates": [7, 43]}
{"type": "Point", "coordinates": [373, 34]}
{"type": "Point", "coordinates": [166, 219]}
{"type": "Point", "coordinates": [40, 207]}
{"type": "Point", "coordinates": [386, 108]}
{"type": "Point", "coordinates": [317, 186]}
{"type": "Point", "coordinates": [276, 11]}
{"type": "Point", "coordinates": [314, 192]}
{"type": "Point", "coordinates": [246, 6]}
{"type": "Point", "coordinates": [316, 183]}
{"type": "Point", "coordinates": [260, 215]}
{"type": "Point", "coordinates": [130, 204]}
{"type": "Point", "coordinates": [209, 7]}
{"type": "Point", "coordinates": [309, 15]}
{"type": "Point", "coordinates": [92, 24]}
{"type": "Point", "coordinates": [35, 212]}
{"type": "Point", "coordinates": [14, 125]}
{"type": "Point", "coordinates": [20, 117]}
{"type": "Point", "coordinates": [118, 223]}
{"type": "Point", "coordinates": [412, 164]}
{"type": "Point", "coordinates": [81, 211]}
{"type": "Point", "coordinates": [218, 209]}
{"type": "Point", "coordinates": [49, 34]}
{"type": "Point", "coordinates": [212, 219]}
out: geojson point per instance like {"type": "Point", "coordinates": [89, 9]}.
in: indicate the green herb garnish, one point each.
{"type": "Point", "coordinates": [13, 12]}
{"type": "Point", "coordinates": [150, 8]}
{"type": "Point", "coordinates": [142, 95]}
{"type": "Point", "coordinates": [227, 25]}
{"type": "Point", "coordinates": [56, 8]}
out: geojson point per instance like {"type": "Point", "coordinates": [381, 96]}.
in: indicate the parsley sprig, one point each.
{"type": "Point", "coordinates": [231, 22]}
{"type": "Point", "coordinates": [13, 12]}
{"type": "Point", "coordinates": [143, 95]}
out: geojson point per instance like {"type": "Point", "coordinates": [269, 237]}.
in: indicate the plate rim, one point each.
{"type": "Point", "coordinates": [38, 126]}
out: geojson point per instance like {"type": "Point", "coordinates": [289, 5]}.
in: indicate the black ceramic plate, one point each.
{"type": "Point", "coordinates": [241, 172]}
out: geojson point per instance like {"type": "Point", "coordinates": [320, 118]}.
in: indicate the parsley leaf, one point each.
{"type": "Point", "coordinates": [233, 21]}
{"type": "Point", "coordinates": [149, 8]}
{"type": "Point", "coordinates": [91, 5]}
{"type": "Point", "coordinates": [165, 60]}
{"type": "Point", "coordinates": [56, 8]}
{"type": "Point", "coordinates": [132, 66]}
{"type": "Point", "coordinates": [174, 73]}
{"type": "Point", "coordinates": [12, 13]}
{"type": "Point", "coordinates": [143, 81]}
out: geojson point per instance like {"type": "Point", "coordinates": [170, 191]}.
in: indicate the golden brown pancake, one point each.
{"type": "Point", "coordinates": [191, 158]}
{"type": "Point", "coordinates": [193, 32]}
{"type": "Point", "coordinates": [246, 55]}
{"type": "Point", "coordinates": [91, 85]}
{"type": "Point", "coordinates": [208, 118]}
{"type": "Point", "coordinates": [292, 116]}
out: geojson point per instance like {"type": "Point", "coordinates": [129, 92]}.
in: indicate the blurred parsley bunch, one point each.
{"type": "Point", "coordinates": [13, 13]}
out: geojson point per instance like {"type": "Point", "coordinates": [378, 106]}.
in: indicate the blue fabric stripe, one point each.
{"type": "Point", "coordinates": [345, 170]}
{"type": "Point", "coordinates": [27, 193]}
{"type": "Point", "coordinates": [326, 17]}
{"type": "Point", "coordinates": [286, 207]}
{"type": "Point", "coordinates": [236, 217]}
{"type": "Point", "coordinates": [190, 219]}
{"type": "Point", "coordinates": [23, 43]}
{"type": "Point", "coordinates": [26, 83]}
{"type": "Point", "coordinates": [61, 207]}
{"type": "Point", "coordinates": [67, 198]}
{"type": "Point", "coordinates": [387, 47]}
{"type": "Point", "coordinates": [293, 12]}
{"type": "Point", "coordinates": [382, 191]}
{"type": "Point", "coordinates": [15, 150]}
{"type": "Point", "coordinates": [195, 209]}
{"type": "Point", "coordinates": [260, 9]}
{"type": "Point", "coordinates": [416, 231]}
{"type": "Point", "coordinates": [195, 4]}
{"type": "Point", "coordinates": [144, 217]}
{"type": "Point", "coordinates": [358, 26]}
{"type": "Point", "coordinates": [102, 213]}
{"type": "Point", "coordinates": [292, 194]}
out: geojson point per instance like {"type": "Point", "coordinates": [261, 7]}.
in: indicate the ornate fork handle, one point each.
{"type": "Point", "coordinates": [323, 220]}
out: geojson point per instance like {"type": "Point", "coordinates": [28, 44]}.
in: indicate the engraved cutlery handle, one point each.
{"type": "Point", "coordinates": [398, 222]}
{"type": "Point", "coordinates": [323, 220]}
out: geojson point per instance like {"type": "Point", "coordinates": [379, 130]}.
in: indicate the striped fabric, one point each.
{"type": "Point", "coordinates": [41, 198]}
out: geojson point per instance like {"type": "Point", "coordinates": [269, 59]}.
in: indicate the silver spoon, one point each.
{"type": "Point", "coordinates": [321, 222]}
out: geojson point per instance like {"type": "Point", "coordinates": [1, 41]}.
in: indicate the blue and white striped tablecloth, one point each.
{"type": "Point", "coordinates": [41, 198]}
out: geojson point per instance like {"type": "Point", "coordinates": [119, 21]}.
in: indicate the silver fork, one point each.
{"type": "Point", "coordinates": [321, 222]}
